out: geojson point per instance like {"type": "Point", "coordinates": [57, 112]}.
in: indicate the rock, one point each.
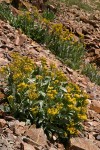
{"type": "Point", "coordinates": [3, 61]}
{"type": "Point", "coordinates": [7, 1]}
{"type": "Point", "coordinates": [30, 141]}
{"type": "Point", "coordinates": [82, 144]}
{"type": "Point", "coordinates": [19, 130]}
{"type": "Point", "coordinates": [1, 95]}
{"type": "Point", "coordinates": [27, 146]}
{"type": "Point", "coordinates": [98, 137]}
{"type": "Point", "coordinates": [3, 123]}
{"type": "Point", "coordinates": [52, 148]}
{"type": "Point", "coordinates": [37, 135]}
{"type": "Point", "coordinates": [9, 118]}
{"type": "Point", "coordinates": [95, 105]}
{"type": "Point", "coordinates": [97, 51]}
{"type": "Point", "coordinates": [20, 40]}
{"type": "Point", "coordinates": [98, 143]}
{"type": "Point", "coordinates": [60, 146]}
{"type": "Point", "coordinates": [51, 8]}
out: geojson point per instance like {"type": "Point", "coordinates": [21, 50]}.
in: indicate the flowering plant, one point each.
{"type": "Point", "coordinates": [43, 95]}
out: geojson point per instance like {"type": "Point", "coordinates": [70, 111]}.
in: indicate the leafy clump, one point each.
{"type": "Point", "coordinates": [43, 95]}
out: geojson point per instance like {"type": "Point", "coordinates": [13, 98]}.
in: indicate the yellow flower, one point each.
{"type": "Point", "coordinates": [50, 96]}
{"type": "Point", "coordinates": [65, 134]}
{"type": "Point", "coordinates": [61, 76]}
{"type": "Point", "coordinates": [32, 86]}
{"type": "Point", "coordinates": [51, 93]}
{"type": "Point", "coordinates": [69, 89]}
{"type": "Point", "coordinates": [22, 86]}
{"type": "Point", "coordinates": [82, 117]}
{"type": "Point", "coordinates": [10, 98]}
{"type": "Point", "coordinates": [59, 106]}
{"type": "Point", "coordinates": [39, 77]}
{"type": "Point", "coordinates": [77, 109]}
{"type": "Point", "coordinates": [71, 106]}
{"type": "Point", "coordinates": [28, 69]}
{"type": "Point", "coordinates": [34, 110]}
{"type": "Point", "coordinates": [43, 60]}
{"type": "Point", "coordinates": [53, 111]}
{"type": "Point", "coordinates": [32, 95]}
{"type": "Point", "coordinates": [72, 130]}
{"type": "Point", "coordinates": [77, 95]}
{"type": "Point", "coordinates": [3, 70]}
{"type": "Point", "coordinates": [52, 66]}
{"type": "Point", "coordinates": [86, 102]}
{"type": "Point", "coordinates": [44, 20]}
{"type": "Point", "coordinates": [17, 77]}
{"type": "Point", "coordinates": [50, 87]}
{"type": "Point", "coordinates": [52, 75]}
{"type": "Point", "coordinates": [86, 96]}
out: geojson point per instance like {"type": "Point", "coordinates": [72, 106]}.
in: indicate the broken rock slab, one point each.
{"type": "Point", "coordinates": [82, 144]}
{"type": "Point", "coordinates": [37, 135]}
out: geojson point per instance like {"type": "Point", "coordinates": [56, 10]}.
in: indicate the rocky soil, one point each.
{"type": "Point", "coordinates": [15, 135]}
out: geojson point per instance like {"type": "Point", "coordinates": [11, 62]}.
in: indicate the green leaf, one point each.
{"type": "Point", "coordinates": [63, 89]}
{"type": "Point", "coordinates": [42, 93]}
{"type": "Point", "coordinates": [31, 80]}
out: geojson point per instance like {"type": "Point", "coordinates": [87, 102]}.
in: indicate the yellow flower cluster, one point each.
{"type": "Point", "coordinates": [61, 76]}
{"type": "Point", "coordinates": [82, 117]}
{"type": "Point", "coordinates": [32, 86]}
{"type": "Point", "coordinates": [54, 111]}
{"type": "Point", "coordinates": [51, 93]}
{"type": "Point", "coordinates": [32, 95]}
{"type": "Point", "coordinates": [20, 68]}
{"type": "Point", "coordinates": [61, 31]}
{"type": "Point", "coordinates": [72, 130]}
{"type": "Point", "coordinates": [39, 77]}
{"type": "Point", "coordinates": [43, 61]}
{"type": "Point", "coordinates": [35, 109]}
{"type": "Point", "coordinates": [70, 99]}
{"type": "Point", "coordinates": [18, 76]}
{"type": "Point", "coordinates": [21, 87]}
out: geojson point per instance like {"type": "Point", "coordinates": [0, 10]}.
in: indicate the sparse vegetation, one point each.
{"type": "Point", "coordinates": [92, 5]}
{"type": "Point", "coordinates": [54, 35]}
{"type": "Point", "coordinates": [80, 4]}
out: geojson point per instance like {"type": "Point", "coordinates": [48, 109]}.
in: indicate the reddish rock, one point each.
{"type": "Point", "coordinates": [27, 146]}
{"type": "Point", "coordinates": [37, 135]}
{"type": "Point", "coordinates": [95, 105]}
{"type": "Point", "coordinates": [19, 130]}
{"type": "Point", "coordinates": [82, 144]}
{"type": "Point", "coordinates": [3, 123]}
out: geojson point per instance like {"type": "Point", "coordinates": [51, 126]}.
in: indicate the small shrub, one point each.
{"type": "Point", "coordinates": [91, 71]}
{"type": "Point", "coordinates": [44, 96]}
{"type": "Point", "coordinates": [49, 15]}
